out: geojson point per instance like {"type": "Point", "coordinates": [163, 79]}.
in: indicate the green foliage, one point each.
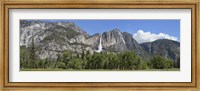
{"type": "Point", "coordinates": [144, 65]}
{"type": "Point", "coordinates": [28, 58]}
{"type": "Point", "coordinates": [22, 57]}
{"type": "Point", "coordinates": [61, 65]}
{"type": "Point", "coordinates": [177, 63]}
{"type": "Point", "coordinates": [168, 64]}
{"type": "Point", "coordinates": [32, 51]}
{"type": "Point", "coordinates": [104, 60]}
{"type": "Point", "coordinates": [159, 62]}
{"type": "Point", "coordinates": [75, 63]}
{"type": "Point", "coordinates": [69, 33]}
{"type": "Point", "coordinates": [59, 58]}
{"type": "Point", "coordinates": [113, 61]}
{"type": "Point", "coordinates": [67, 56]}
{"type": "Point", "coordinates": [60, 35]}
{"type": "Point", "coordinates": [54, 36]}
{"type": "Point", "coordinates": [129, 60]}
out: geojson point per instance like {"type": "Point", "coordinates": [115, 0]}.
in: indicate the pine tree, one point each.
{"type": "Point", "coordinates": [32, 51]}
{"type": "Point", "coordinates": [59, 58]}
{"type": "Point", "coordinates": [32, 55]}
{"type": "Point", "coordinates": [178, 62]}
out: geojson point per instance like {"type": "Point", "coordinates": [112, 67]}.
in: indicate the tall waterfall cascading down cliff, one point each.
{"type": "Point", "coordinates": [100, 45]}
{"type": "Point", "coordinates": [53, 38]}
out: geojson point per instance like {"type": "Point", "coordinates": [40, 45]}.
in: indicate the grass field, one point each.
{"type": "Point", "coordinates": [172, 69]}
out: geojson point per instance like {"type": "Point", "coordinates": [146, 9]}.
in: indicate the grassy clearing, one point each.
{"type": "Point", "coordinates": [172, 69]}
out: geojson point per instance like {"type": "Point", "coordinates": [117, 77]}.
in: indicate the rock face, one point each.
{"type": "Point", "coordinates": [132, 45]}
{"type": "Point", "coordinates": [93, 40]}
{"type": "Point", "coordinates": [113, 41]}
{"type": "Point", "coordinates": [117, 41]}
{"type": "Point", "coordinates": [164, 47]}
{"type": "Point", "coordinates": [53, 38]}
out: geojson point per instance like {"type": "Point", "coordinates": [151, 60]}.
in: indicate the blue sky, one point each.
{"type": "Point", "coordinates": [170, 27]}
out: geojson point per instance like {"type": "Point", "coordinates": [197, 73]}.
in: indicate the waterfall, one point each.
{"type": "Point", "coordinates": [100, 45]}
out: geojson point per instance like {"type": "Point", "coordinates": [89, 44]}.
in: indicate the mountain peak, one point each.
{"type": "Point", "coordinates": [115, 30]}
{"type": "Point", "coordinates": [53, 37]}
{"type": "Point", "coordinates": [164, 47]}
{"type": "Point", "coordinates": [65, 23]}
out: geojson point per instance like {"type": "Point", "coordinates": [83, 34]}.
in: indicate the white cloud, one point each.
{"type": "Point", "coordinates": [142, 36]}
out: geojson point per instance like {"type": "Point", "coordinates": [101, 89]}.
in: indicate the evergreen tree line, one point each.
{"type": "Point", "coordinates": [104, 60]}
{"type": "Point", "coordinates": [110, 61]}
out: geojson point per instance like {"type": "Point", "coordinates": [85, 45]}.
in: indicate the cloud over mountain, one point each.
{"type": "Point", "coordinates": [142, 36]}
{"type": "Point", "coordinates": [53, 38]}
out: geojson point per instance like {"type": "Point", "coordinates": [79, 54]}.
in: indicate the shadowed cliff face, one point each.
{"type": "Point", "coordinates": [164, 47]}
{"type": "Point", "coordinates": [51, 38]}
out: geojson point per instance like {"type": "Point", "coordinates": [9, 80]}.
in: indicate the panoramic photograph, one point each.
{"type": "Point", "coordinates": [99, 45]}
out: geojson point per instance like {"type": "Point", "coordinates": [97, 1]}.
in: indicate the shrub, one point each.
{"type": "Point", "coordinates": [159, 62]}
{"type": "Point", "coordinates": [60, 65]}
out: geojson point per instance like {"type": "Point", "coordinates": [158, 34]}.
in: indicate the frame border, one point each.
{"type": "Point", "coordinates": [96, 5]}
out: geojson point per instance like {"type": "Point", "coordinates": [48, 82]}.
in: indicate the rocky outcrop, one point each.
{"type": "Point", "coordinates": [164, 47]}
{"type": "Point", "coordinates": [53, 38]}
{"type": "Point", "coordinates": [132, 45]}
{"type": "Point", "coordinates": [93, 40]}
{"type": "Point", "coordinates": [113, 41]}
